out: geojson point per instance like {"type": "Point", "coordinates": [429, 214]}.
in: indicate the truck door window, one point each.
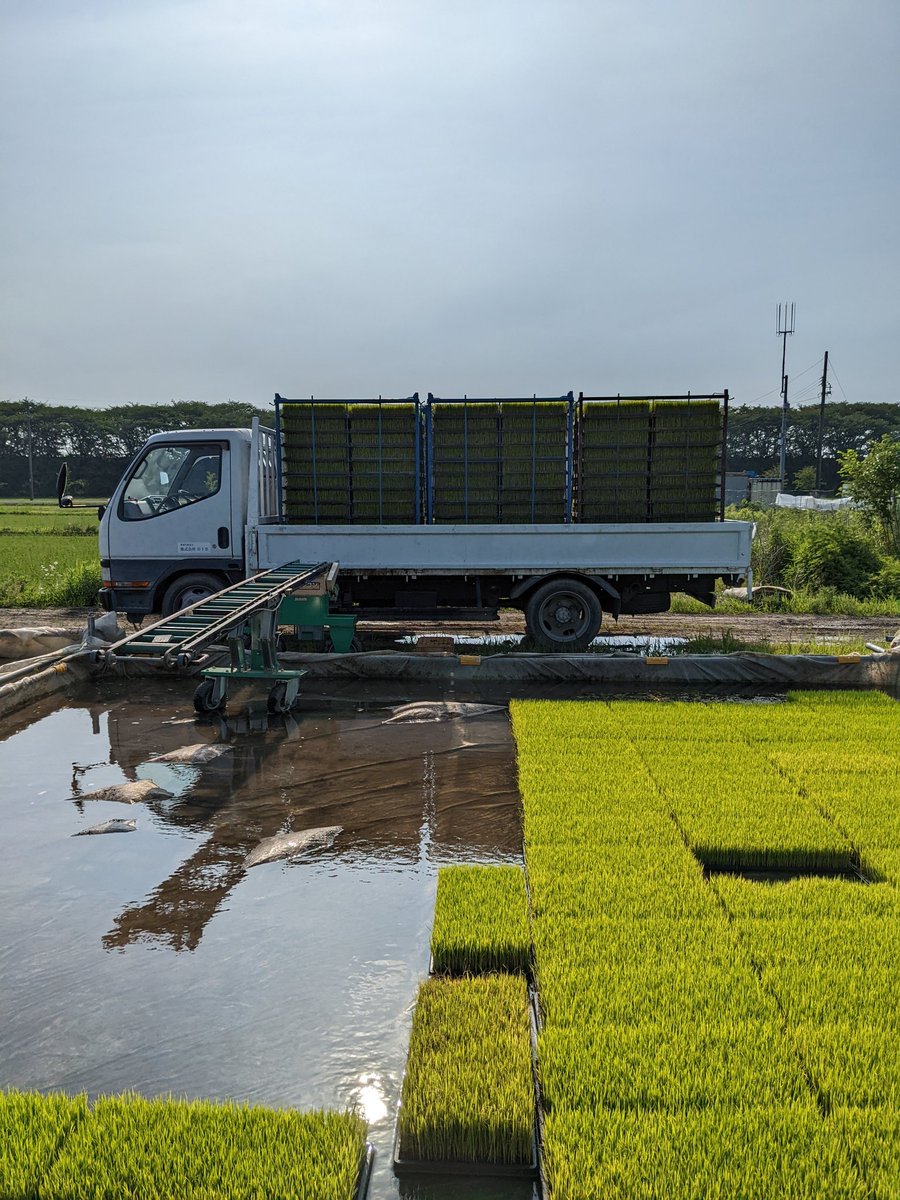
{"type": "Point", "coordinates": [171, 477]}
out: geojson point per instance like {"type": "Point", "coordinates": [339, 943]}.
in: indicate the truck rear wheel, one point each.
{"type": "Point", "coordinates": [188, 589]}
{"type": "Point", "coordinates": [563, 615]}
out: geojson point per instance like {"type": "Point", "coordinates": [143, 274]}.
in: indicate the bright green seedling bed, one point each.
{"type": "Point", "coordinates": [468, 1091]}
{"type": "Point", "coordinates": [188, 1150]}
{"type": "Point", "coordinates": [32, 1128]}
{"type": "Point", "coordinates": [708, 1034]}
{"type": "Point", "coordinates": [481, 921]}
{"type": "Point", "coordinates": [733, 1154]}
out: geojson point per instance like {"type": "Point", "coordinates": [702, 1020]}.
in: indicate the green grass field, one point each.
{"type": "Point", "coordinates": [49, 556]}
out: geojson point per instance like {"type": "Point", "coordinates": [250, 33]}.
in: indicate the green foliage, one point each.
{"type": "Point", "coordinates": [32, 1129]}
{"type": "Point", "coordinates": [48, 571]}
{"type": "Point", "coordinates": [874, 482]}
{"type": "Point", "coordinates": [833, 554]}
{"type": "Point", "coordinates": [754, 433]}
{"type": "Point", "coordinates": [805, 481]}
{"type": "Point", "coordinates": [192, 1150]}
{"type": "Point", "coordinates": [97, 442]}
{"type": "Point", "coordinates": [481, 921]}
{"type": "Point", "coordinates": [468, 1093]}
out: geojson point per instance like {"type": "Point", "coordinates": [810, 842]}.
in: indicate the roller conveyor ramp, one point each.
{"type": "Point", "coordinates": [246, 616]}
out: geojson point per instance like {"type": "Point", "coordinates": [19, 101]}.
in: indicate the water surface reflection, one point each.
{"type": "Point", "coordinates": [154, 961]}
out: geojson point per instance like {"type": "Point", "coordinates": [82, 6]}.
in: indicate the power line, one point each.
{"type": "Point", "coordinates": [777, 391]}
{"type": "Point", "coordinates": [835, 374]}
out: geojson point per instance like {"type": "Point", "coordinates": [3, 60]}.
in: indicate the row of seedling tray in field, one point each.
{"type": "Point", "coordinates": [501, 461]}
{"type": "Point", "coordinates": [56, 1147]}
{"type": "Point", "coordinates": [718, 986]}
{"type": "Point", "coordinates": [468, 1098]}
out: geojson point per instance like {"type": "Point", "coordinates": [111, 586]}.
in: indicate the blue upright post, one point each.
{"type": "Point", "coordinates": [278, 455]}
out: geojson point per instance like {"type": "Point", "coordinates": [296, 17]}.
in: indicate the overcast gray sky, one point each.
{"type": "Point", "coordinates": [208, 199]}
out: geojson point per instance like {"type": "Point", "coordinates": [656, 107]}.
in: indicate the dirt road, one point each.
{"type": "Point", "coordinates": [750, 627]}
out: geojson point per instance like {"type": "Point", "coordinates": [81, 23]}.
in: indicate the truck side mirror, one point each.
{"type": "Point", "coordinates": [100, 511]}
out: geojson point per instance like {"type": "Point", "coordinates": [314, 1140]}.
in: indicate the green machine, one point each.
{"type": "Point", "coordinates": [247, 616]}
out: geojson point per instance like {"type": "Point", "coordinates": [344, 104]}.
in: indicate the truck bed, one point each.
{"type": "Point", "coordinates": [708, 548]}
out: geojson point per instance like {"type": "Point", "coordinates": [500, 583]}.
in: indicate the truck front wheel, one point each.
{"type": "Point", "coordinates": [563, 615]}
{"type": "Point", "coordinates": [188, 589]}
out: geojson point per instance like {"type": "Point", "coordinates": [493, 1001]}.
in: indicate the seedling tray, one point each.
{"type": "Point", "coordinates": [530, 1170]}
{"type": "Point", "coordinates": [365, 1172]}
{"type": "Point", "coordinates": [446, 1166]}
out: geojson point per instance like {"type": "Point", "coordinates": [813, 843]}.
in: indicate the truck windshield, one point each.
{"type": "Point", "coordinates": [170, 477]}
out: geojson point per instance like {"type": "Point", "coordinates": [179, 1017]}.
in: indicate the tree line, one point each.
{"type": "Point", "coordinates": [98, 443]}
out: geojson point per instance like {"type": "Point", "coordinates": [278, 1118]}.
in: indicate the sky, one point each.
{"type": "Point", "coordinates": [217, 200]}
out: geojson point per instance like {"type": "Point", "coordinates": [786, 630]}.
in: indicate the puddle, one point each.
{"type": "Point", "coordinates": [156, 962]}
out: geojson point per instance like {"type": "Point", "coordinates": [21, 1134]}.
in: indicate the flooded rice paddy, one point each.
{"type": "Point", "coordinates": [154, 960]}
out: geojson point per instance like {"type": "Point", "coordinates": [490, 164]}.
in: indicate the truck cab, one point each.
{"type": "Point", "coordinates": [173, 530]}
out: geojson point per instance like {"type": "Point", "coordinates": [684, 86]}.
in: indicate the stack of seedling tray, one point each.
{"type": "Point", "coordinates": [315, 438]}
{"type": "Point", "coordinates": [534, 450]}
{"type": "Point", "coordinates": [351, 462]}
{"type": "Point", "coordinates": [384, 463]}
{"type": "Point", "coordinates": [684, 460]}
{"type": "Point", "coordinates": [613, 456]}
{"type": "Point", "coordinates": [464, 457]}
{"type": "Point", "coordinates": [500, 461]}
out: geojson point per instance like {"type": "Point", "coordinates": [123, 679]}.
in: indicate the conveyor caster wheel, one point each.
{"type": "Point", "coordinates": [206, 700]}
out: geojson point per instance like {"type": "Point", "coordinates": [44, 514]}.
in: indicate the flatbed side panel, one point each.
{"type": "Point", "coordinates": [721, 547]}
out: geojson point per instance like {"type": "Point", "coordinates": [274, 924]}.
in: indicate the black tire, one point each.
{"type": "Point", "coordinates": [563, 615]}
{"type": "Point", "coordinates": [203, 698]}
{"type": "Point", "coordinates": [277, 699]}
{"type": "Point", "coordinates": [188, 589]}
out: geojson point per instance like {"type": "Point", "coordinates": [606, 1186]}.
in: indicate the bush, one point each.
{"type": "Point", "coordinates": [832, 554]}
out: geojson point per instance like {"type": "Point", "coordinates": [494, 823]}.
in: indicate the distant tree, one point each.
{"type": "Point", "coordinates": [805, 481]}
{"type": "Point", "coordinates": [873, 482]}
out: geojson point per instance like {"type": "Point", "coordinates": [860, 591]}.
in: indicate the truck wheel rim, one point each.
{"type": "Point", "coordinates": [564, 617]}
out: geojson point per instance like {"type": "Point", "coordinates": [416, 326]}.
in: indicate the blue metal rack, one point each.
{"type": "Point", "coordinates": [369, 471]}
{"type": "Point", "coordinates": [498, 462]}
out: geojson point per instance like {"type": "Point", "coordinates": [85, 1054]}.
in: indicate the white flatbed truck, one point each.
{"type": "Point", "coordinates": [198, 509]}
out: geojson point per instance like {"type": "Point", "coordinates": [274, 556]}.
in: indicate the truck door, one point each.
{"type": "Point", "coordinates": [174, 511]}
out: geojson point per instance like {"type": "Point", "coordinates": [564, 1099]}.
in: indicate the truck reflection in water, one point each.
{"type": "Point", "coordinates": [401, 793]}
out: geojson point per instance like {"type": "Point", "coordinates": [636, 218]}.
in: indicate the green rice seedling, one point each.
{"type": "Point", "coordinates": [873, 1137]}
{"type": "Point", "coordinates": [188, 1150]}
{"type": "Point", "coordinates": [481, 921]}
{"type": "Point", "coordinates": [739, 813]}
{"type": "Point", "coordinates": [657, 1066]}
{"type": "Point", "coordinates": [828, 972]}
{"type": "Point", "coordinates": [637, 883]}
{"type": "Point", "coordinates": [850, 1063]}
{"type": "Point", "coordinates": [32, 1129]}
{"type": "Point", "coordinates": [806, 899]}
{"type": "Point", "coordinates": [676, 994]}
{"type": "Point", "coordinates": [468, 1092]}
{"type": "Point", "coordinates": [693, 1155]}
{"type": "Point", "coordinates": [884, 864]}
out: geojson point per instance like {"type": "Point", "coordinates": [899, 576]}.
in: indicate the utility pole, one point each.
{"type": "Point", "coordinates": [826, 390]}
{"type": "Point", "coordinates": [784, 325]}
{"type": "Point", "coordinates": [30, 455]}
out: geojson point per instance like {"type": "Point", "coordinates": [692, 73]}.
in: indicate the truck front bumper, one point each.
{"type": "Point", "coordinates": [137, 601]}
